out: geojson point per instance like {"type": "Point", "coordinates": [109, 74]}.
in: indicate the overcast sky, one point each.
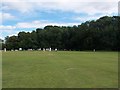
{"type": "Point", "coordinates": [27, 15]}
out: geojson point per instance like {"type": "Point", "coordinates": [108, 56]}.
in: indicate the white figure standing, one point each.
{"type": "Point", "coordinates": [50, 49]}
{"type": "Point", "coordinates": [56, 49]}
{"type": "Point", "coordinates": [4, 49]}
{"type": "Point", "coordinates": [43, 49]}
{"type": "Point", "coordinates": [20, 49]}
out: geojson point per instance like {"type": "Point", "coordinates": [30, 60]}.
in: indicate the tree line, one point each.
{"type": "Point", "coordinates": [100, 34]}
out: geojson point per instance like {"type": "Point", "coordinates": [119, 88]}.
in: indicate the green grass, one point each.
{"type": "Point", "coordinates": [62, 69]}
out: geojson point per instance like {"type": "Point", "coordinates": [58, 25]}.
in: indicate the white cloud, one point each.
{"type": "Point", "coordinates": [13, 30]}
{"type": "Point", "coordinates": [89, 18]}
{"type": "Point", "coordinates": [41, 24]}
{"type": "Point", "coordinates": [6, 30]}
{"type": "Point", "coordinates": [90, 8]}
{"type": "Point", "coordinates": [2, 27]}
{"type": "Point", "coordinates": [61, 1]}
{"type": "Point", "coordinates": [6, 16]}
{"type": "Point", "coordinates": [19, 5]}
{"type": "Point", "coordinates": [38, 24]}
{"type": "Point", "coordinates": [77, 6]}
{"type": "Point", "coordinates": [83, 19]}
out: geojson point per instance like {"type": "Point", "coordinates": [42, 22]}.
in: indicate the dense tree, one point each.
{"type": "Point", "coordinates": [102, 34]}
{"type": "Point", "coordinates": [12, 42]}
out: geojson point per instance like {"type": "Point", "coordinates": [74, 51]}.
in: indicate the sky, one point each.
{"type": "Point", "coordinates": [27, 15]}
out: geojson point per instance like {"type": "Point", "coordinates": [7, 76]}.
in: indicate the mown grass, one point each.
{"type": "Point", "coordinates": [62, 69]}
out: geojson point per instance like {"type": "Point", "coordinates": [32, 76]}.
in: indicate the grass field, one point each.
{"type": "Point", "coordinates": [62, 69]}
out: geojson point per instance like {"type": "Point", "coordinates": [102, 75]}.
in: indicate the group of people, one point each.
{"type": "Point", "coordinates": [44, 49]}
{"type": "Point", "coordinates": [48, 49]}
